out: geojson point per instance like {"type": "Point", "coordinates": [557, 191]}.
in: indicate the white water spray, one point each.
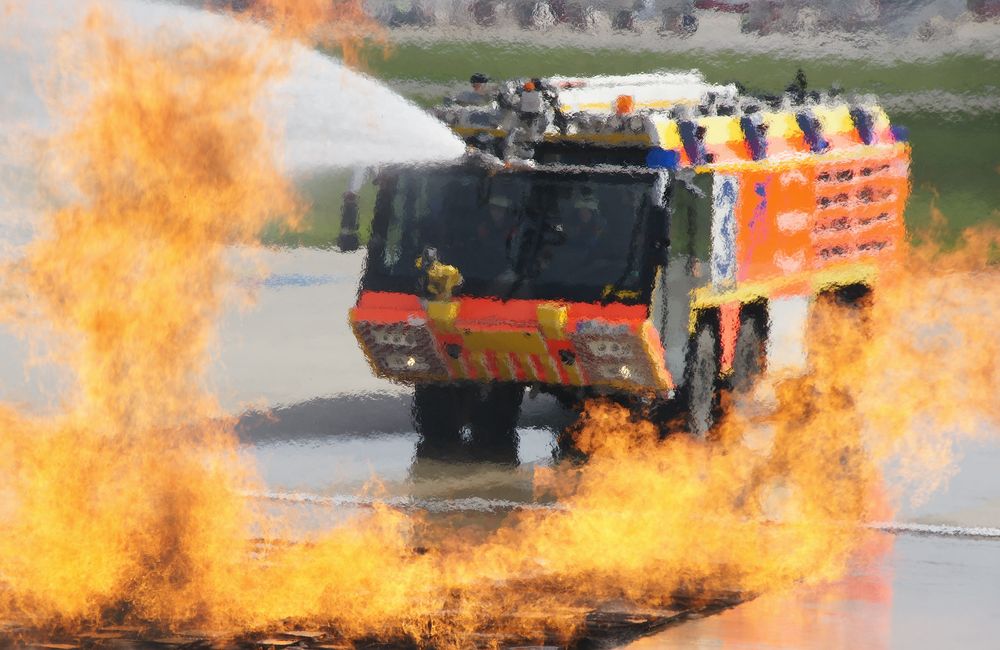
{"type": "Point", "coordinates": [331, 116]}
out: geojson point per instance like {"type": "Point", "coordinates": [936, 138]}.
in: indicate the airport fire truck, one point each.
{"type": "Point", "coordinates": [648, 237]}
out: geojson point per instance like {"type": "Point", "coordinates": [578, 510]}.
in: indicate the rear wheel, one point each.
{"type": "Point", "coordinates": [750, 355]}
{"type": "Point", "coordinates": [858, 301]}
{"type": "Point", "coordinates": [853, 302]}
{"type": "Point", "coordinates": [840, 319]}
{"type": "Point", "coordinates": [702, 373]}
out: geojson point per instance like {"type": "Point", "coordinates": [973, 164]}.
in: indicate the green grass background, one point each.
{"type": "Point", "coordinates": [956, 156]}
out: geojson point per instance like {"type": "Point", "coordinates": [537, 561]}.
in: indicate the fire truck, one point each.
{"type": "Point", "coordinates": [650, 237]}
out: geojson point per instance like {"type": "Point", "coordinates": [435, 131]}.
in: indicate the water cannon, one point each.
{"type": "Point", "coordinates": [697, 121]}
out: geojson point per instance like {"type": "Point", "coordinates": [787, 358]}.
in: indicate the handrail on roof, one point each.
{"type": "Point", "coordinates": [703, 123]}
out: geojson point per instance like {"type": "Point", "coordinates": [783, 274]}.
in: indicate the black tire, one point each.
{"type": "Point", "coordinates": [750, 355]}
{"type": "Point", "coordinates": [701, 380]}
{"type": "Point", "coordinates": [853, 302]}
{"type": "Point", "coordinates": [569, 398]}
{"type": "Point", "coordinates": [440, 412]}
{"type": "Point", "coordinates": [859, 301]}
{"type": "Point", "coordinates": [839, 317]}
{"type": "Point", "coordinates": [493, 421]}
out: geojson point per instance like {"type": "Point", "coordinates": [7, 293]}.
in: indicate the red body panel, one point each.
{"type": "Point", "coordinates": [488, 340]}
{"type": "Point", "coordinates": [819, 214]}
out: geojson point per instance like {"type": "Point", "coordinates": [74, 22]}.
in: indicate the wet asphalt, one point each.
{"type": "Point", "coordinates": [322, 431]}
{"type": "Point", "coordinates": [334, 429]}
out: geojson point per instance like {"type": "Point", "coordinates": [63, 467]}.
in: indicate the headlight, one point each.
{"type": "Point", "coordinates": [612, 353]}
{"type": "Point", "coordinates": [402, 349]}
{"type": "Point", "coordinates": [406, 363]}
{"type": "Point", "coordinates": [616, 372]}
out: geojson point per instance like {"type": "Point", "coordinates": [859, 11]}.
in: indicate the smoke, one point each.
{"type": "Point", "coordinates": [127, 505]}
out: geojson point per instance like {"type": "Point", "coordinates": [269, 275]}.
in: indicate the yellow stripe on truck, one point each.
{"type": "Point", "coordinates": [520, 341]}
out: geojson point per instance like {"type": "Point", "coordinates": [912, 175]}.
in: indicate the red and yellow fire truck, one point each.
{"type": "Point", "coordinates": [653, 236]}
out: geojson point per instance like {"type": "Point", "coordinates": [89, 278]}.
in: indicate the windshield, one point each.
{"type": "Point", "coordinates": [573, 236]}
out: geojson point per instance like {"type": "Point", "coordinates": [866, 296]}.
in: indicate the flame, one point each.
{"type": "Point", "coordinates": [929, 375]}
{"type": "Point", "coordinates": [163, 164]}
{"type": "Point", "coordinates": [128, 505]}
{"type": "Point", "coordinates": [342, 24]}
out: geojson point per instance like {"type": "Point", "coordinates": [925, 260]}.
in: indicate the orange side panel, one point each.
{"type": "Point", "coordinates": [809, 214]}
{"type": "Point", "coordinates": [773, 221]}
{"type": "Point", "coordinates": [859, 210]}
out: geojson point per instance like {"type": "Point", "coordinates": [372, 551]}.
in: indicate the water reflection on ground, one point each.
{"type": "Point", "coordinates": [903, 592]}
{"type": "Point", "coordinates": [913, 592]}
{"type": "Point", "coordinates": [325, 458]}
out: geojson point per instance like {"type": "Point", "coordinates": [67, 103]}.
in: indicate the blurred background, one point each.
{"type": "Point", "coordinates": [934, 64]}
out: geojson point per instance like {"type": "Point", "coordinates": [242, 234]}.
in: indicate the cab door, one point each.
{"type": "Point", "coordinates": [687, 268]}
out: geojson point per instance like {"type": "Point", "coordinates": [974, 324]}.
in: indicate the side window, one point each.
{"type": "Point", "coordinates": [414, 201]}
{"type": "Point", "coordinates": [691, 218]}
{"type": "Point", "coordinates": [402, 199]}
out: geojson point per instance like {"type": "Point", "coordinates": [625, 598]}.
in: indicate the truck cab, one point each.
{"type": "Point", "coordinates": [633, 237]}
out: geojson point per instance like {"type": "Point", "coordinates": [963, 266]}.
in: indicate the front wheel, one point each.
{"type": "Point", "coordinates": [750, 353]}
{"type": "Point", "coordinates": [493, 422]}
{"type": "Point", "coordinates": [440, 412]}
{"type": "Point", "coordinates": [702, 374]}
{"type": "Point", "coordinates": [443, 413]}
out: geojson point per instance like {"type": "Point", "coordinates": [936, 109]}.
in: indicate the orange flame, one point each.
{"type": "Point", "coordinates": [343, 24]}
{"type": "Point", "coordinates": [128, 506]}
{"type": "Point", "coordinates": [164, 165]}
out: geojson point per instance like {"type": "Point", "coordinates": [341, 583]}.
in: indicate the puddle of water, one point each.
{"type": "Point", "coordinates": [918, 592]}
{"type": "Point", "coordinates": [345, 465]}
